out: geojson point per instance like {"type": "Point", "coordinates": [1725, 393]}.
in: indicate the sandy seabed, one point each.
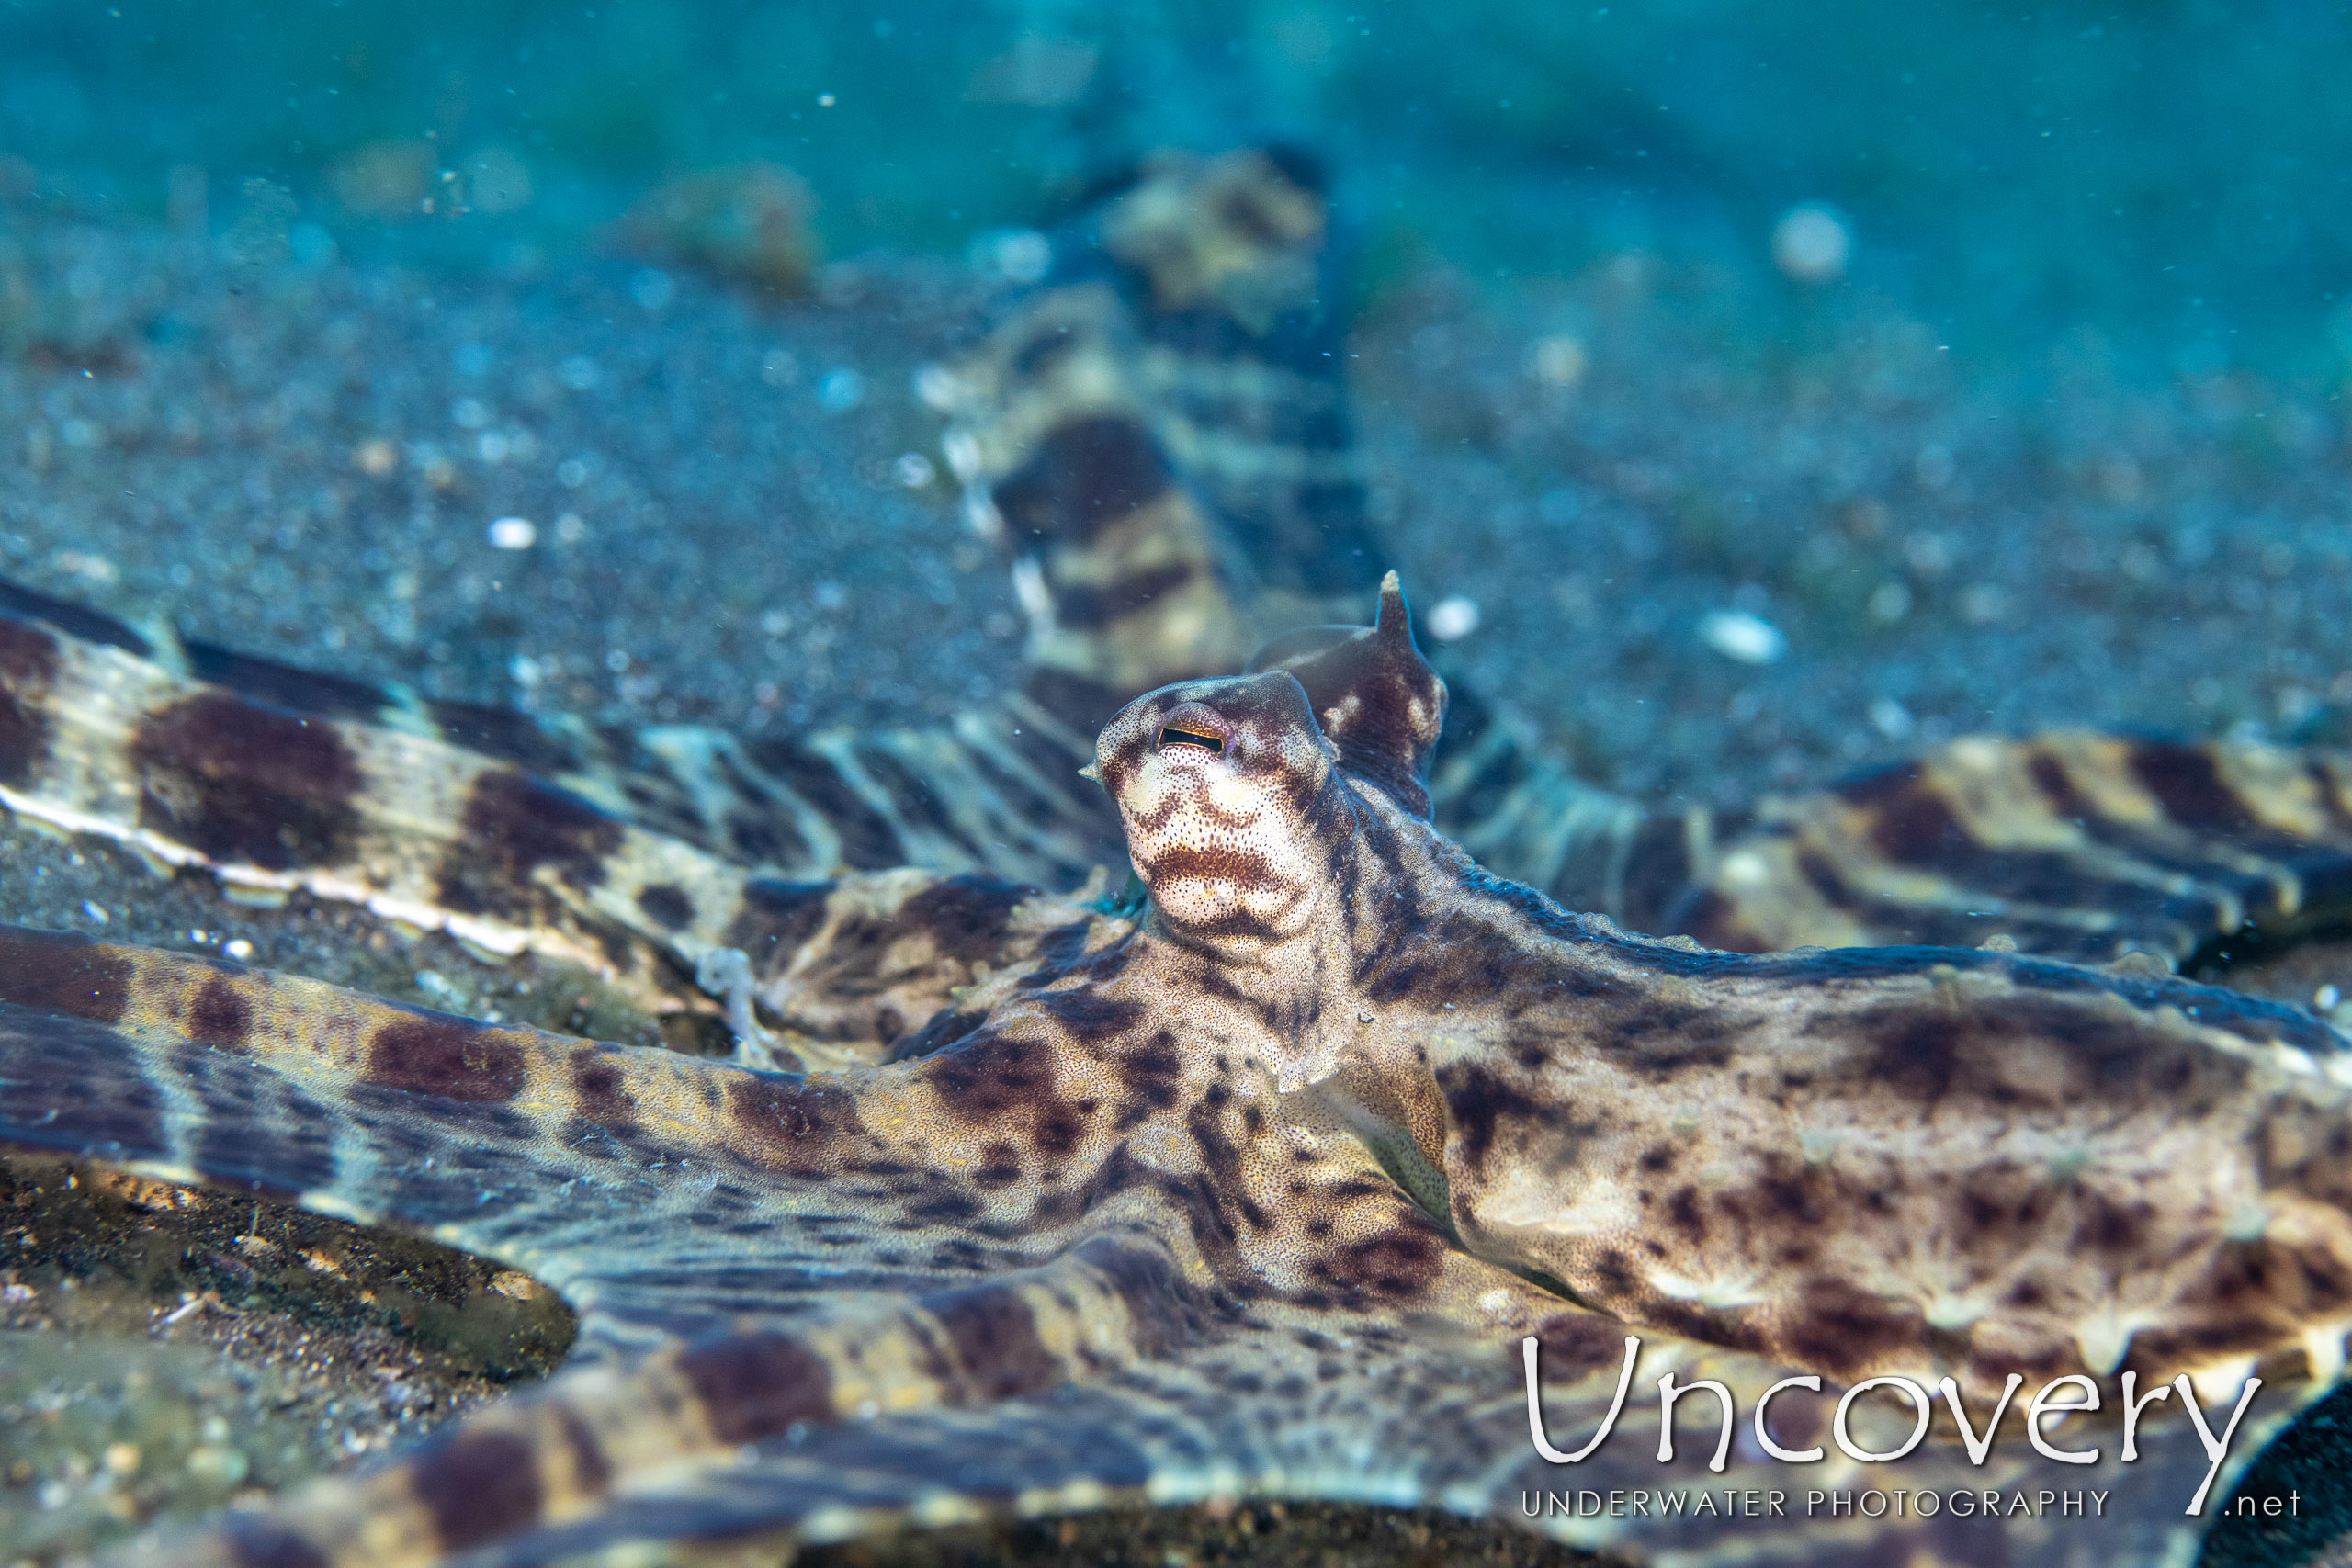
{"type": "Point", "coordinates": [740, 516]}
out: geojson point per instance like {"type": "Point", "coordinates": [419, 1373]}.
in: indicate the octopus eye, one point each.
{"type": "Point", "coordinates": [1172, 736]}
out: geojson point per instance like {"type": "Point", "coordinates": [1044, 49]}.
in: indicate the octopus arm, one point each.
{"type": "Point", "coordinates": [1288, 1405]}
{"type": "Point", "coordinates": [636, 1182]}
{"type": "Point", "coordinates": [2073, 844]}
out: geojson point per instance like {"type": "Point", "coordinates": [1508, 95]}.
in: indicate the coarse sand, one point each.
{"type": "Point", "coordinates": [738, 516]}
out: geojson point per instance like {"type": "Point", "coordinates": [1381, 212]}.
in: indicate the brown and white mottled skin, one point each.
{"type": "Point", "coordinates": [1261, 1189]}
{"type": "Point", "coordinates": [1863, 1161]}
{"type": "Point", "coordinates": [1159, 434]}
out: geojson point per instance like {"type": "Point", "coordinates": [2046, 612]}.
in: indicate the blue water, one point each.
{"type": "Point", "coordinates": [2171, 177]}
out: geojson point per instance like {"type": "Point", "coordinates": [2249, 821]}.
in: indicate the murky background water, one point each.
{"type": "Point", "coordinates": [2170, 178]}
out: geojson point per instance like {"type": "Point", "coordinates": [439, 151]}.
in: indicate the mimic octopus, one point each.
{"type": "Point", "coordinates": [1361, 1151]}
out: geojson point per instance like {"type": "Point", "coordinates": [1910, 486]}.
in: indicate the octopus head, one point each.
{"type": "Point", "coordinates": [1232, 810]}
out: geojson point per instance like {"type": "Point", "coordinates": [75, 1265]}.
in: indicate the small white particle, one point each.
{"type": "Point", "coordinates": [1016, 255]}
{"type": "Point", "coordinates": [1812, 244]}
{"type": "Point", "coordinates": [1557, 361]}
{"type": "Point", "coordinates": [514, 534]}
{"type": "Point", "coordinates": [1983, 604]}
{"type": "Point", "coordinates": [1892, 719]}
{"type": "Point", "coordinates": [937, 387]}
{"type": "Point", "coordinates": [238, 949]}
{"type": "Point", "coordinates": [2325, 997]}
{"type": "Point", "coordinates": [94, 911]}
{"type": "Point", "coordinates": [914, 470]}
{"type": "Point", "coordinates": [1451, 620]}
{"type": "Point", "coordinates": [98, 568]}
{"type": "Point", "coordinates": [1735, 634]}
